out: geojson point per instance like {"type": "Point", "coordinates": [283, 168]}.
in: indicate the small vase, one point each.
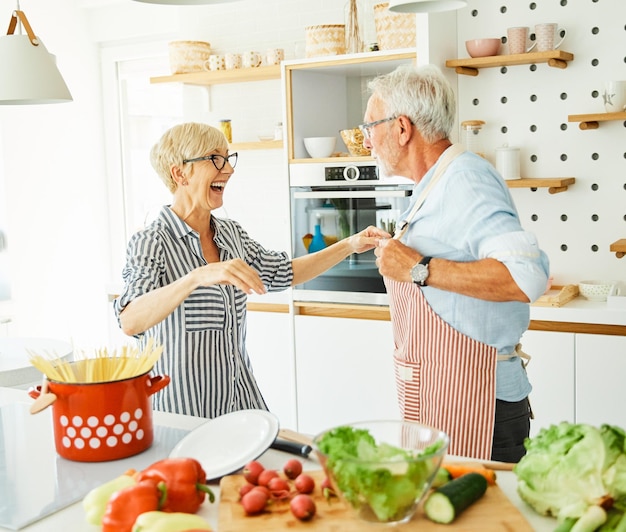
{"type": "Point", "coordinates": [354, 35]}
{"type": "Point", "coordinates": [318, 240]}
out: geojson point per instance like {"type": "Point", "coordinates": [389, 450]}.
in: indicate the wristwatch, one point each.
{"type": "Point", "coordinates": [419, 272]}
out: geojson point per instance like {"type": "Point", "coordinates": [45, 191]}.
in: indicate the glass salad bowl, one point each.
{"type": "Point", "coordinates": [382, 469]}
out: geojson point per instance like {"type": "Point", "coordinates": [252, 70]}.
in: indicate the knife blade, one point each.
{"type": "Point", "coordinates": [292, 447]}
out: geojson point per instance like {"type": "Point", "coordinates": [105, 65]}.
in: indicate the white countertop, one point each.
{"type": "Point", "coordinates": [72, 517]}
{"type": "Point", "coordinates": [580, 310]}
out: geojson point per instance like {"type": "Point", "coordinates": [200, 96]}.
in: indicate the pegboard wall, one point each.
{"type": "Point", "coordinates": [527, 106]}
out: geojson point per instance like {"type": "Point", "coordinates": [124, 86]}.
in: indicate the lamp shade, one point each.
{"type": "Point", "coordinates": [425, 6]}
{"type": "Point", "coordinates": [29, 72]}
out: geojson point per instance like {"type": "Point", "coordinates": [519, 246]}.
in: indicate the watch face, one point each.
{"type": "Point", "coordinates": [419, 273]}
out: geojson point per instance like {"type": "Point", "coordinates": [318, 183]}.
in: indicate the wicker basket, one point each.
{"type": "Point", "coordinates": [188, 56]}
{"type": "Point", "coordinates": [394, 30]}
{"type": "Point", "coordinates": [328, 39]}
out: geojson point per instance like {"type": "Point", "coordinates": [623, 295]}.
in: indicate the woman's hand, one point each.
{"type": "Point", "coordinates": [367, 239]}
{"type": "Point", "coordinates": [234, 272]}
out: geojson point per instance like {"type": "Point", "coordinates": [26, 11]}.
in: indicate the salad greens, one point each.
{"type": "Point", "coordinates": [571, 467]}
{"type": "Point", "coordinates": [388, 479]}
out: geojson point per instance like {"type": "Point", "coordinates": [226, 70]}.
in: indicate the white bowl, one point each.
{"type": "Point", "coordinates": [597, 290]}
{"type": "Point", "coordinates": [318, 147]}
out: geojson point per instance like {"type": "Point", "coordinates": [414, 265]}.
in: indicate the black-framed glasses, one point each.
{"type": "Point", "coordinates": [219, 161]}
{"type": "Point", "coordinates": [366, 129]}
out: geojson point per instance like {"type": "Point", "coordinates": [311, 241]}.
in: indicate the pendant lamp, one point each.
{"type": "Point", "coordinates": [425, 6]}
{"type": "Point", "coordinates": [187, 2]}
{"type": "Point", "coordinates": [29, 72]}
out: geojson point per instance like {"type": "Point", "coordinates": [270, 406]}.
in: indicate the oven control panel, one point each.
{"type": "Point", "coordinates": [350, 173]}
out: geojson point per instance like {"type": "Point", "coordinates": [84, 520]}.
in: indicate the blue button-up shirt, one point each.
{"type": "Point", "coordinates": [470, 215]}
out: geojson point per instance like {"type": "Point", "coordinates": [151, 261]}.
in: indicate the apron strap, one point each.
{"type": "Point", "coordinates": [517, 352]}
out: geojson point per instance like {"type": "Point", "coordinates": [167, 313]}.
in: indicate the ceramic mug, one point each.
{"type": "Point", "coordinates": [214, 62]}
{"type": "Point", "coordinates": [274, 56]}
{"type": "Point", "coordinates": [251, 59]}
{"type": "Point", "coordinates": [546, 36]}
{"type": "Point", "coordinates": [614, 96]}
{"type": "Point", "coordinates": [232, 61]}
{"type": "Point", "coordinates": [517, 39]}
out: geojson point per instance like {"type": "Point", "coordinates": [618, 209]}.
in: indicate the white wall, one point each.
{"type": "Point", "coordinates": [55, 191]}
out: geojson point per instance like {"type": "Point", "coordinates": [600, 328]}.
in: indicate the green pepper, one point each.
{"type": "Point", "coordinates": [185, 481]}
{"type": "Point", "coordinates": [126, 505]}
{"type": "Point", "coordinates": [95, 502]}
{"type": "Point", "coordinates": [169, 522]}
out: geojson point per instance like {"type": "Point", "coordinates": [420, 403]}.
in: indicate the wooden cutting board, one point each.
{"type": "Point", "coordinates": [493, 512]}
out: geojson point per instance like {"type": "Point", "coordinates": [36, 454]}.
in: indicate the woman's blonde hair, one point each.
{"type": "Point", "coordinates": [184, 141]}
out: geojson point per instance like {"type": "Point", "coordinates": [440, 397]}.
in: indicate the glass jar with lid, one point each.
{"type": "Point", "coordinates": [471, 136]}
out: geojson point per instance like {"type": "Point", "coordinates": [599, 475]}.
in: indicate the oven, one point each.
{"type": "Point", "coordinates": [332, 201]}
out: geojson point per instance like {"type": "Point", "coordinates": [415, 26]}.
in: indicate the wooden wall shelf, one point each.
{"type": "Point", "coordinates": [554, 184]}
{"type": "Point", "coordinates": [592, 121]}
{"type": "Point", "coordinates": [470, 67]}
{"type": "Point", "coordinates": [216, 77]}
{"type": "Point", "coordinates": [619, 248]}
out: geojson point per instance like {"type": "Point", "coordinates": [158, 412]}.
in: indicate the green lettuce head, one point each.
{"type": "Point", "coordinates": [569, 467]}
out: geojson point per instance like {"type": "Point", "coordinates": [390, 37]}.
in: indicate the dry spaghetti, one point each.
{"type": "Point", "coordinates": [104, 366]}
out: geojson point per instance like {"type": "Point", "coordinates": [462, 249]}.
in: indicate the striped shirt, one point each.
{"type": "Point", "coordinates": [204, 339]}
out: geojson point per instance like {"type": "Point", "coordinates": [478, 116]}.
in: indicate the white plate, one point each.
{"type": "Point", "coordinates": [226, 443]}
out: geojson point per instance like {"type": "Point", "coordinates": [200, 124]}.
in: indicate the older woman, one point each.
{"type": "Point", "coordinates": [187, 277]}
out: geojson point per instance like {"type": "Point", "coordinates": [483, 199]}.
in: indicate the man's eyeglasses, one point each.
{"type": "Point", "coordinates": [366, 129]}
{"type": "Point", "coordinates": [219, 161]}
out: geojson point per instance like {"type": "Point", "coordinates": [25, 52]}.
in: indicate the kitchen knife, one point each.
{"type": "Point", "coordinates": [287, 446]}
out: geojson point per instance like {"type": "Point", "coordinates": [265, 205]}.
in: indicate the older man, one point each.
{"type": "Point", "coordinates": [460, 273]}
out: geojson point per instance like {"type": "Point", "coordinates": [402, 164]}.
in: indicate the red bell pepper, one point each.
{"type": "Point", "coordinates": [127, 504]}
{"type": "Point", "coordinates": [185, 482]}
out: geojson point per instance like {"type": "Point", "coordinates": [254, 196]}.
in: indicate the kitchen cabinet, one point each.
{"type": "Point", "coordinates": [328, 94]}
{"type": "Point", "coordinates": [600, 371]}
{"type": "Point", "coordinates": [270, 348]}
{"type": "Point", "coordinates": [344, 371]}
{"type": "Point", "coordinates": [551, 372]}
{"type": "Point", "coordinates": [471, 66]}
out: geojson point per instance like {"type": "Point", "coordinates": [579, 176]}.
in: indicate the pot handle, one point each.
{"type": "Point", "coordinates": [154, 384]}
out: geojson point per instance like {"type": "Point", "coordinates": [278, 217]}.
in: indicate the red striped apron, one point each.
{"type": "Point", "coordinates": [444, 378]}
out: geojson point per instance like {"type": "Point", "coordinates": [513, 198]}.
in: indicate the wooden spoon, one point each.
{"type": "Point", "coordinates": [44, 400]}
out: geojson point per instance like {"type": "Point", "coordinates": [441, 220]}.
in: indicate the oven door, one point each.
{"type": "Point", "coordinates": [338, 212]}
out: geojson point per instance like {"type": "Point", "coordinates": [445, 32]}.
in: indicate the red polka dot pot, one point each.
{"type": "Point", "coordinates": [97, 422]}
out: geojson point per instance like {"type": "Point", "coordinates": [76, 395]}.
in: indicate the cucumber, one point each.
{"type": "Point", "coordinates": [447, 502]}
